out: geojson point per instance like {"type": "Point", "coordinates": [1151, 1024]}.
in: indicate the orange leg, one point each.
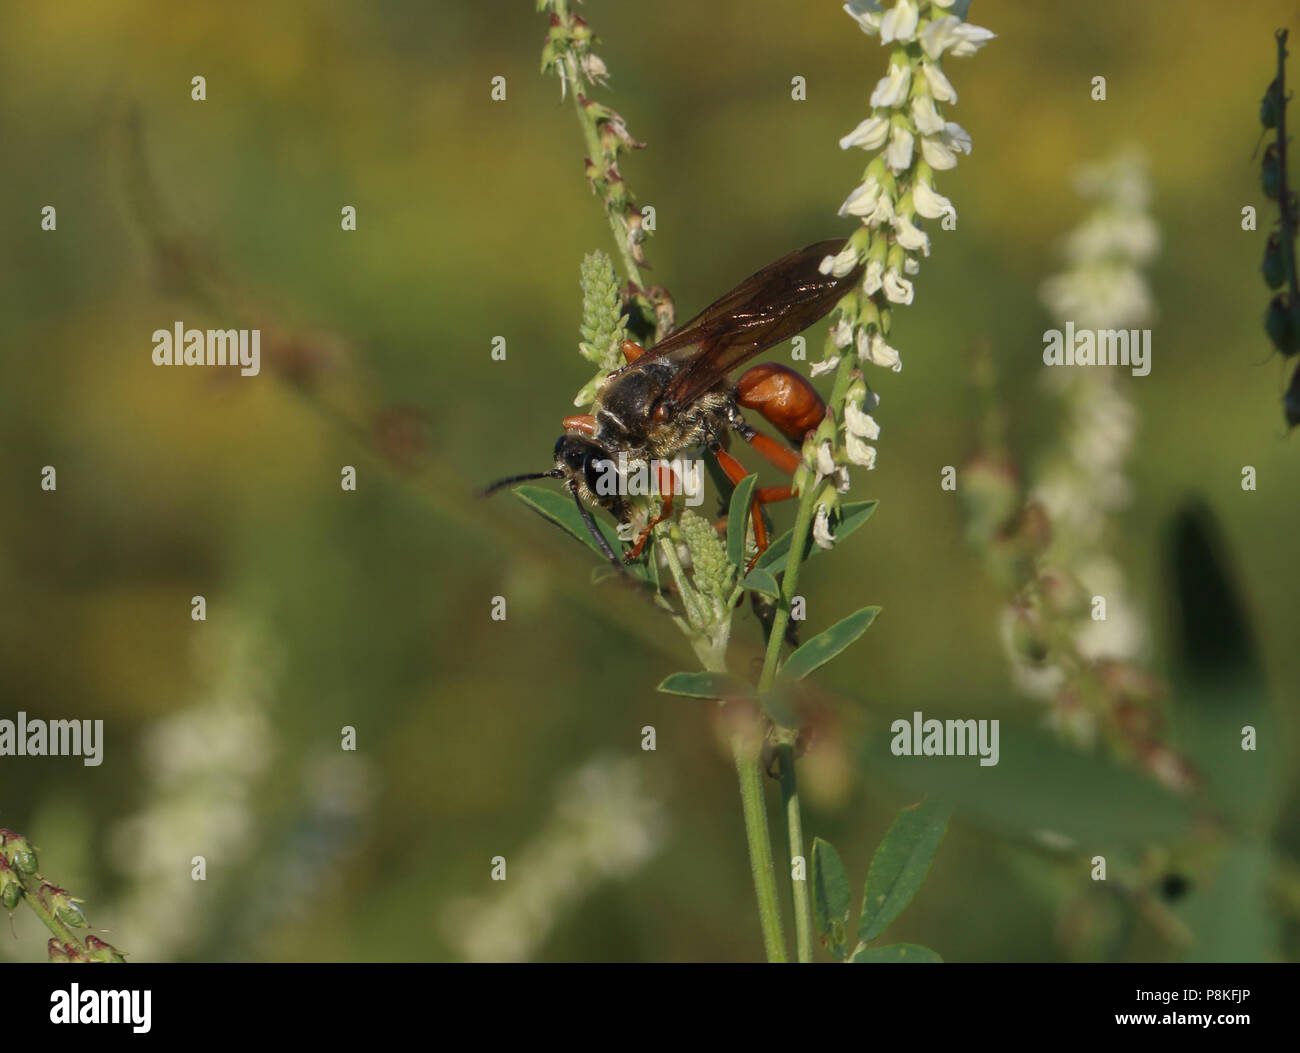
{"type": "Point", "coordinates": [666, 492]}
{"type": "Point", "coordinates": [782, 456]}
{"type": "Point", "coordinates": [785, 459]}
{"type": "Point", "coordinates": [735, 471]}
{"type": "Point", "coordinates": [581, 422]}
{"type": "Point", "coordinates": [632, 351]}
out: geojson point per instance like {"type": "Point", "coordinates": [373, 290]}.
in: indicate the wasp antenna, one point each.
{"type": "Point", "coordinates": [601, 543]}
{"type": "Point", "coordinates": [554, 473]}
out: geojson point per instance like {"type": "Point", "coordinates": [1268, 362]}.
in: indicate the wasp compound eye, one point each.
{"type": "Point", "coordinates": [571, 452]}
{"type": "Point", "coordinates": [595, 471]}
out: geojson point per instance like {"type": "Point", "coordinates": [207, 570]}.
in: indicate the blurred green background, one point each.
{"type": "Point", "coordinates": [479, 738]}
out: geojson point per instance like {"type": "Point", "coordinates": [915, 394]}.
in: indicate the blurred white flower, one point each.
{"type": "Point", "coordinates": [605, 824]}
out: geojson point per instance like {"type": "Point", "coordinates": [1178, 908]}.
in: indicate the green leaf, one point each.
{"type": "Point", "coordinates": [826, 645]}
{"type": "Point", "coordinates": [896, 952]}
{"type": "Point", "coordinates": [899, 866]}
{"type": "Point", "coordinates": [831, 900]}
{"type": "Point", "coordinates": [737, 518]}
{"type": "Point", "coordinates": [762, 582]}
{"type": "Point", "coordinates": [776, 704]}
{"type": "Point", "coordinates": [706, 685]}
{"type": "Point", "coordinates": [1039, 790]}
{"type": "Point", "coordinates": [560, 510]}
{"type": "Point", "coordinates": [1229, 911]}
{"type": "Point", "coordinates": [851, 517]}
{"type": "Point", "coordinates": [1219, 686]}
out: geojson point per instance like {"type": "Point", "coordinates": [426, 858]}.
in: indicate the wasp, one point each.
{"type": "Point", "coordinates": [677, 395]}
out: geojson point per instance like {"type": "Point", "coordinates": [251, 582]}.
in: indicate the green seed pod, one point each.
{"type": "Point", "coordinates": [20, 853]}
{"type": "Point", "coordinates": [1274, 266]}
{"type": "Point", "coordinates": [1270, 171]}
{"type": "Point", "coordinates": [1291, 400]}
{"type": "Point", "coordinates": [70, 914]}
{"type": "Point", "coordinates": [1270, 106]}
{"type": "Point", "coordinates": [1280, 322]}
{"type": "Point", "coordinates": [100, 951]}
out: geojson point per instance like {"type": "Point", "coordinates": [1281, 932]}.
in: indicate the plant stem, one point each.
{"type": "Point", "coordinates": [1284, 195]}
{"type": "Point", "coordinates": [794, 826]}
{"type": "Point", "coordinates": [771, 660]}
{"type": "Point", "coordinates": [56, 925]}
{"type": "Point", "coordinates": [592, 137]}
{"type": "Point", "coordinates": [746, 754]}
{"type": "Point", "coordinates": [744, 749]}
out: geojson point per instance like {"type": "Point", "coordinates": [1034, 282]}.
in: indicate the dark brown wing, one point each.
{"type": "Point", "coordinates": [778, 302]}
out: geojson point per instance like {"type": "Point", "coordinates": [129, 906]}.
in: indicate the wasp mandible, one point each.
{"type": "Point", "coordinates": [677, 394]}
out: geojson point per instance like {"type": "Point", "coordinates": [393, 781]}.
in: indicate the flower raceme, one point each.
{"type": "Point", "coordinates": [911, 140]}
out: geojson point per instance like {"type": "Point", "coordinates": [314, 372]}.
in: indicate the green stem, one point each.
{"type": "Point", "coordinates": [771, 661]}
{"type": "Point", "coordinates": [760, 845]}
{"type": "Point", "coordinates": [794, 826]}
{"type": "Point", "coordinates": [592, 137]}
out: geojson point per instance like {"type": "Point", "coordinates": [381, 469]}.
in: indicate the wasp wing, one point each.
{"type": "Point", "coordinates": [778, 302]}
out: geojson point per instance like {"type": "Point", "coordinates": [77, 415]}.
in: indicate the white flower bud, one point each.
{"type": "Point", "coordinates": [842, 333]}
{"type": "Point", "coordinates": [891, 90]}
{"type": "Point", "coordinates": [874, 349]}
{"type": "Point", "coordinates": [940, 86]}
{"type": "Point", "coordinates": [929, 203]}
{"type": "Point", "coordinates": [926, 116]}
{"type": "Point", "coordinates": [868, 21]}
{"type": "Point", "coordinates": [824, 366]}
{"type": "Point", "coordinates": [960, 39]}
{"type": "Point", "coordinates": [863, 200]}
{"type": "Point", "coordinates": [899, 155]}
{"type": "Point", "coordinates": [936, 154]}
{"type": "Point", "coordinates": [859, 452]}
{"type": "Point", "coordinates": [870, 134]}
{"type": "Point", "coordinates": [863, 425]}
{"type": "Point", "coordinates": [957, 137]}
{"type": "Point", "coordinates": [899, 22]}
{"type": "Point", "coordinates": [874, 277]}
{"type": "Point", "coordinates": [822, 528]}
{"type": "Point", "coordinates": [910, 236]}
{"type": "Point", "coordinates": [825, 460]}
{"type": "Point", "coordinates": [840, 265]}
{"type": "Point", "coordinates": [897, 288]}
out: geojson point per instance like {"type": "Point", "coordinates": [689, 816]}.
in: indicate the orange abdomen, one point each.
{"type": "Point", "coordinates": [782, 396]}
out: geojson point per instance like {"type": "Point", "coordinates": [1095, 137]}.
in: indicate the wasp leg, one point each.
{"type": "Point", "coordinates": [735, 471]}
{"type": "Point", "coordinates": [632, 351]}
{"type": "Point", "coordinates": [666, 479]}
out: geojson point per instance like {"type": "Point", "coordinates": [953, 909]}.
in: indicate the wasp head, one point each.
{"type": "Point", "coordinates": [589, 470]}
